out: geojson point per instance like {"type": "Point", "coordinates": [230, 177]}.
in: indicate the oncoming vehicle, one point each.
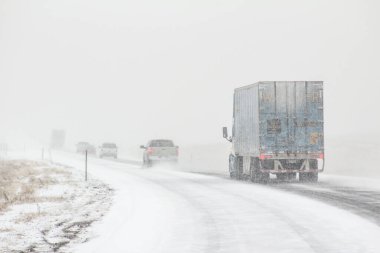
{"type": "Point", "coordinates": [108, 150]}
{"type": "Point", "coordinates": [83, 146]}
{"type": "Point", "coordinates": [159, 150]}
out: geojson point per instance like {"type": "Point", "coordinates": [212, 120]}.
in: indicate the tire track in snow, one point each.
{"type": "Point", "coordinates": [365, 203]}
{"type": "Point", "coordinates": [213, 239]}
{"type": "Point", "coordinates": [362, 202]}
{"type": "Point", "coordinates": [311, 240]}
{"type": "Point", "coordinates": [306, 233]}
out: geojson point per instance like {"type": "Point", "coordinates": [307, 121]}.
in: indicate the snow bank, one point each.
{"type": "Point", "coordinates": [48, 207]}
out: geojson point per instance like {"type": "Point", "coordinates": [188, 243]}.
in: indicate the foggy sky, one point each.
{"type": "Point", "coordinates": [127, 71]}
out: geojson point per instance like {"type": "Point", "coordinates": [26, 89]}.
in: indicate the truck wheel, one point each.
{"type": "Point", "coordinates": [239, 168]}
{"type": "Point", "coordinates": [256, 175]}
{"type": "Point", "coordinates": [292, 176]}
{"type": "Point", "coordinates": [264, 178]}
{"type": "Point", "coordinates": [313, 164]}
{"type": "Point", "coordinates": [311, 177]}
{"type": "Point", "coordinates": [232, 166]}
{"type": "Point", "coordinates": [281, 176]}
{"type": "Point", "coordinates": [286, 176]}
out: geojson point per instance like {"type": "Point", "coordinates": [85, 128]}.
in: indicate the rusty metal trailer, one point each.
{"type": "Point", "coordinates": [278, 129]}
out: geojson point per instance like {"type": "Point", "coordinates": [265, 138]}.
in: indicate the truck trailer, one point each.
{"type": "Point", "coordinates": [277, 129]}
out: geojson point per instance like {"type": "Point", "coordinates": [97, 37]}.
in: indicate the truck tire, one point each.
{"type": "Point", "coordinates": [313, 164]}
{"type": "Point", "coordinates": [311, 177]}
{"type": "Point", "coordinates": [232, 166]}
{"type": "Point", "coordinates": [281, 176]}
{"type": "Point", "coordinates": [286, 176]}
{"type": "Point", "coordinates": [308, 177]}
{"type": "Point", "coordinates": [292, 176]}
{"type": "Point", "coordinates": [239, 168]}
{"type": "Point", "coordinates": [256, 175]}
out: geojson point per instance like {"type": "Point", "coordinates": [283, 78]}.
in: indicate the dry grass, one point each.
{"type": "Point", "coordinates": [3, 230]}
{"type": "Point", "coordinates": [20, 179]}
{"type": "Point", "coordinates": [27, 217]}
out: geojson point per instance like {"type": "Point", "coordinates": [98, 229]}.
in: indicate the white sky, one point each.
{"type": "Point", "coordinates": [127, 71]}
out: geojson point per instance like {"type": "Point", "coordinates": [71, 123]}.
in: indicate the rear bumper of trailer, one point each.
{"type": "Point", "coordinates": [303, 167]}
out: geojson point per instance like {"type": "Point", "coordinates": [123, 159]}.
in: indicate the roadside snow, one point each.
{"type": "Point", "coordinates": [164, 210]}
{"type": "Point", "coordinates": [57, 213]}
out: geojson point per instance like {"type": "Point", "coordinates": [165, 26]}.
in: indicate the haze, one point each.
{"type": "Point", "coordinates": [127, 71]}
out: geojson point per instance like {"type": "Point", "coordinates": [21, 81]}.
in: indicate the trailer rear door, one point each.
{"type": "Point", "coordinates": [291, 116]}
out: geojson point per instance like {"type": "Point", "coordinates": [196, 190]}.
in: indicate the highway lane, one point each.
{"type": "Point", "coordinates": [360, 196]}
{"type": "Point", "coordinates": [162, 209]}
{"type": "Point", "coordinates": [362, 201]}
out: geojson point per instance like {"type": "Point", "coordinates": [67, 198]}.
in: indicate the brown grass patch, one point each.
{"type": "Point", "coordinates": [20, 179]}
{"type": "Point", "coordinates": [5, 230]}
{"type": "Point", "coordinates": [27, 217]}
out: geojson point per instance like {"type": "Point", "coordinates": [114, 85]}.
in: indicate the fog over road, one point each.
{"type": "Point", "coordinates": [162, 209]}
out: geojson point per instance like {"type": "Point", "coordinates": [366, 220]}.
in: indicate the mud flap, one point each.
{"type": "Point", "coordinates": [256, 175]}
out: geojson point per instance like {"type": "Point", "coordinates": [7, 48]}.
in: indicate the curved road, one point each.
{"type": "Point", "coordinates": [164, 210]}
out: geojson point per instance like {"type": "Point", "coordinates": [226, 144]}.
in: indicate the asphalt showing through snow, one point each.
{"type": "Point", "coordinates": [365, 203]}
{"type": "Point", "coordinates": [362, 202]}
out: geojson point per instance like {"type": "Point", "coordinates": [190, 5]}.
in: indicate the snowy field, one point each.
{"type": "Point", "coordinates": [46, 207]}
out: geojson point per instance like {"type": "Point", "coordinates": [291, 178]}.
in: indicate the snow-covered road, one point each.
{"type": "Point", "coordinates": [165, 210]}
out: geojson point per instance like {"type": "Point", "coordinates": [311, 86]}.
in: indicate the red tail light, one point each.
{"type": "Point", "coordinates": [264, 156]}
{"type": "Point", "coordinates": [149, 150]}
{"type": "Point", "coordinates": [321, 156]}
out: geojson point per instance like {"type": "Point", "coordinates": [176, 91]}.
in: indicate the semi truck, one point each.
{"type": "Point", "coordinates": [277, 129]}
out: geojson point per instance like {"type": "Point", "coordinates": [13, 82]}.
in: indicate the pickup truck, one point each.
{"type": "Point", "coordinates": [108, 149]}
{"type": "Point", "coordinates": [159, 150]}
